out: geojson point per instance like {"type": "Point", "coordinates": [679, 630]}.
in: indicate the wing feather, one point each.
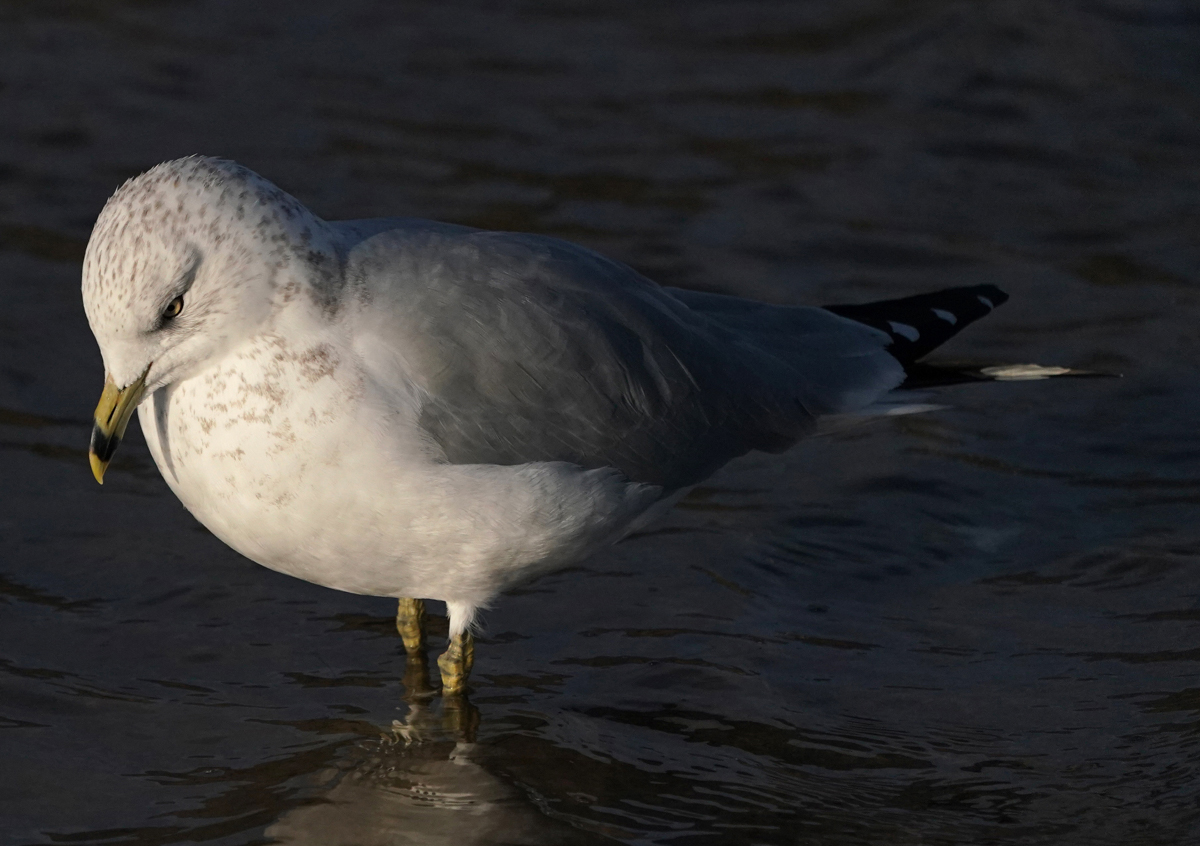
{"type": "Point", "coordinates": [527, 348]}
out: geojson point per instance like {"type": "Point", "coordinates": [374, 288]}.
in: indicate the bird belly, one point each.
{"type": "Point", "coordinates": [323, 485]}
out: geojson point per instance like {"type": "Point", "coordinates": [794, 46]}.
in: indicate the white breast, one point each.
{"type": "Point", "coordinates": [288, 454]}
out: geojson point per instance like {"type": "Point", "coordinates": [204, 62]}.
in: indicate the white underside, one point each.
{"type": "Point", "coordinates": [287, 452]}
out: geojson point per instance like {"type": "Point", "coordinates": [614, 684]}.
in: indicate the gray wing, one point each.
{"type": "Point", "coordinates": [528, 348]}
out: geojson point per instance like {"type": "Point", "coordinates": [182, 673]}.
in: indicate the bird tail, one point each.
{"type": "Point", "coordinates": [920, 324]}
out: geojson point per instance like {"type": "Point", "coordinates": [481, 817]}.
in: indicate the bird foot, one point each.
{"type": "Point", "coordinates": [455, 664]}
{"type": "Point", "coordinates": [410, 622]}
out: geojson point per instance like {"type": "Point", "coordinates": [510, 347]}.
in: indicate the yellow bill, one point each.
{"type": "Point", "coordinates": [112, 416]}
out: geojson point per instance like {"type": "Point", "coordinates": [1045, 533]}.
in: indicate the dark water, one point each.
{"type": "Point", "coordinates": [980, 625]}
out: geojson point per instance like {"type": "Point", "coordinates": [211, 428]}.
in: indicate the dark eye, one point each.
{"type": "Point", "coordinates": [173, 308]}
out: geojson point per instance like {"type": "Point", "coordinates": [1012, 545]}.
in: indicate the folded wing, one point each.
{"type": "Point", "coordinates": [526, 348]}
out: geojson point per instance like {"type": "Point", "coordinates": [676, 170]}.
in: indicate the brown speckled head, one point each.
{"type": "Point", "coordinates": [214, 234]}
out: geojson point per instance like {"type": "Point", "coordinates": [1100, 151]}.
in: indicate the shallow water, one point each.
{"type": "Point", "coordinates": [976, 625]}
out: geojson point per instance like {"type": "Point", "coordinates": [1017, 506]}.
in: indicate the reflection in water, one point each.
{"type": "Point", "coordinates": [422, 783]}
{"type": "Point", "coordinates": [421, 791]}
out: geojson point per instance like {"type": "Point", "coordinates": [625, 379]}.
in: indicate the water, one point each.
{"type": "Point", "coordinates": [978, 625]}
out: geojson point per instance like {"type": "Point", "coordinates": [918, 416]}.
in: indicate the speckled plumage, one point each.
{"type": "Point", "coordinates": [407, 408]}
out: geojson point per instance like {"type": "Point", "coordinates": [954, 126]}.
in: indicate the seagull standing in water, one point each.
{"type": "Point", "coordinates": [413, 409]}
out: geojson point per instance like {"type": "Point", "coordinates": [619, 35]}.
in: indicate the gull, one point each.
{"type": "Point", "coordinates": [405, 408]}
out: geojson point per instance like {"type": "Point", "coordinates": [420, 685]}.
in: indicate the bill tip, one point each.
{"type": "Point", "coordinates": [98, 467]}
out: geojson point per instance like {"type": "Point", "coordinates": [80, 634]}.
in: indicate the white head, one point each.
{"type": "Point", "coordinates": [185, 262]}
{"type": "Point", "coordinates": [208, 235]}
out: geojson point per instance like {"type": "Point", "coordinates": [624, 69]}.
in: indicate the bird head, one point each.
{"type": "Point", "coordinates": [185, 262]}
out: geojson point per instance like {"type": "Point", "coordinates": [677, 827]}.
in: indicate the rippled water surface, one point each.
{"type": "Point", "coordinates": [977, 625]}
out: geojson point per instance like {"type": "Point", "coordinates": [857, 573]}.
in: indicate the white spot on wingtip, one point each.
{"type": "Point", "coordinates": [946, 316]}
{"type": "Point", "coordinates": [904, 330]}
{"type": "Point", "coordinates": [986, 301]}
{"type": "Point", "coordinates": [1024, 372]}
{"type": "Point", "coordinates": [913, 408]}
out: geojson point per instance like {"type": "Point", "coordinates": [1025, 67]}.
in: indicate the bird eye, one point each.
{"type": "Point", "coordinates": [173, 308]}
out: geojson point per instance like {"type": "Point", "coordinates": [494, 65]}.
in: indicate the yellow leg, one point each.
{"type": "Point", "coordinates": [455, 664]}
{"type": "Point", "coordinates": [410, 622]}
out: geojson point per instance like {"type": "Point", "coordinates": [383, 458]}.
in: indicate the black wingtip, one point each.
{"type": "Point", "coordinates": [917, 325]}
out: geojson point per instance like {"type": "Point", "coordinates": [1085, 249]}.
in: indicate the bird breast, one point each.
{"type": "Point", "coordinates": [285, 452]}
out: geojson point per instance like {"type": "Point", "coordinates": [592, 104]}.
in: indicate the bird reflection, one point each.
{"type": "Point", "coordinates": [421, 782]}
